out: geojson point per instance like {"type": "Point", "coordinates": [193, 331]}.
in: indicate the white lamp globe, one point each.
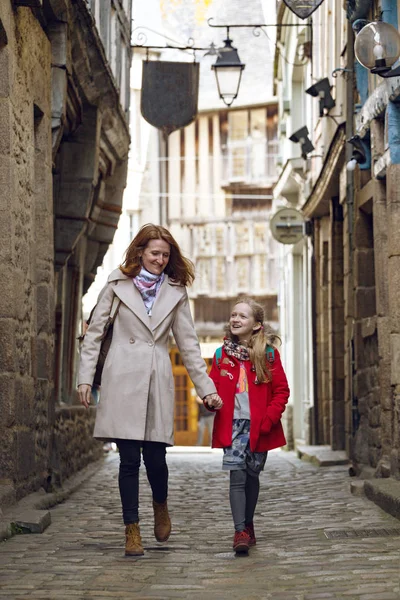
{"type": "Point", "coordinates": [377, 46]}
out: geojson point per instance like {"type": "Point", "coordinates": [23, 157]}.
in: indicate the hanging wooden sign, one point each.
{"type": "Point", "coordinates": [303, 8]}
{"type": "Point", "coordinates": [170, 93]}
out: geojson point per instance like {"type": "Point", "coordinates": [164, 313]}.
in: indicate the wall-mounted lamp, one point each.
{"type": "Point", "coordinates": [377, 47]}
{"type": "Point", "coordinates": [301, 137]}
{"type": "Point", "coordinates": [322, 90]}
{"type": "Point", "coordinates": [228, 72]}
{"type": "Point", "coordinates": [361, 153]}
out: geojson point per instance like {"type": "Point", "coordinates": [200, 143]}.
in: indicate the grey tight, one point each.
{"type": "Point", "coordinates": [243, 496]}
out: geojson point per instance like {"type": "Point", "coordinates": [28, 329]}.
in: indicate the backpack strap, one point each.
{"type": "Point", "coordinates": [270, 354]}
{"type": "Point", "coordinates": [218, 355]}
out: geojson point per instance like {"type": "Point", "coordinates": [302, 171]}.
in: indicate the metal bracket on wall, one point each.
{"type": "Point", "coordinates": [256, 26]}
{"type": "Point", "coordinates": [340, 70]}
{"type": "Point", "coordinates": [211, 49]}
{"type": "Point", "coordinates": [141, 39]}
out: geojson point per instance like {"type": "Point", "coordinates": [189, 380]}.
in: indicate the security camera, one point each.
{"type": "Point", "coordinates": [301, 137]}
{"type": "Point", "coordinates": [322, 90]}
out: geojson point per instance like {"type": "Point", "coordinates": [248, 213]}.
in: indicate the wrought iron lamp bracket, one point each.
{"type": "Point", "coordinates": [257, 27]}
{"type": "Point", "coordinates": [141, 39]}
{"type": "Point", "coordinates": [340, 70]}
{"type": "Point", "coordinates": [211, 49]}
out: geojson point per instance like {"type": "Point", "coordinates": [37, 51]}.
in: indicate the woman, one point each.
{"type": "Point", "coordinates": [136, 407]}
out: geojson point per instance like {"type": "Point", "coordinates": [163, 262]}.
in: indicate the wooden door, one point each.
{"type": "Point", "coordinates": [186, 411]}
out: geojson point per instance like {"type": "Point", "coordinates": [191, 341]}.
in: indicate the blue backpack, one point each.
{"type": "Point", "coordinates": [269, 353]}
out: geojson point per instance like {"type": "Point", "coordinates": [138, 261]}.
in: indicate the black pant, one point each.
{"type": "Point", "coordinates": [154, 457]}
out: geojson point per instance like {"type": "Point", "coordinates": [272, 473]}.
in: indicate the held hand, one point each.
{"type": "Point", "coordinates": [85, 394]}
{"type": "Point", "coordinates": [214, 401]}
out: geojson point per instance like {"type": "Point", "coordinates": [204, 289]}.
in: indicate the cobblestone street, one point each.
{"type": "Point", "coordinates": [81, 554]}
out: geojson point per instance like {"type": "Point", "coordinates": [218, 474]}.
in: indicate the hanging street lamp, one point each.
{"type": "Point", "coordinates": [377, 47]}
{"type": "Point", "coordinates": [228, 72]}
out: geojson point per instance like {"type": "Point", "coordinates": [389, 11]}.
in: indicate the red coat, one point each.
{"type": "Point", "coordinates": [267, 402]}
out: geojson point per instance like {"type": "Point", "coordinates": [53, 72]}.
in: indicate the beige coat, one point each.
{"type": "Point", "coordinates": [137, 389]}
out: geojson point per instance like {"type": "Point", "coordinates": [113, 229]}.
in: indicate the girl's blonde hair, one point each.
{"type": "Point", "coordinates": [261, 338]}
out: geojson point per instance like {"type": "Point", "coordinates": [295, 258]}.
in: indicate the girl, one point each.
{"type": "Point", "coordinates": [251, 382]}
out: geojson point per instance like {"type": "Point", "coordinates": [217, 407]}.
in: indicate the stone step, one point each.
{"type": "Point", "coordinates": [322, 456]}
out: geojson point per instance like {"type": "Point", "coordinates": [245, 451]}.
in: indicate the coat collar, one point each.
{"type": "Point", "coordinates": [167, 298]}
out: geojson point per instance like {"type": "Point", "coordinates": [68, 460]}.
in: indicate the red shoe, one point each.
{"type": "Point", "coordinates": [241, 542]}
{"type": "Point", "coordinates": [250, 532]}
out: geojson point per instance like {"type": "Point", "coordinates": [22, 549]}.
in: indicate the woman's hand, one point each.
{"type": "Point", "coordinates": [85, 394]}
{"type": "Point", "coordinates": [214, 401]}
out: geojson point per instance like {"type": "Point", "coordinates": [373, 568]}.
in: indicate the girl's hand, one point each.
{"type": "Point", "coordinates": [214, 401]}
{"type": "Point", "coordinates": [85, 394]}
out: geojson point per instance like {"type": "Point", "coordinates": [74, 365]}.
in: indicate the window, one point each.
{"type": "Point", "coordinates": [203, 276]}
{"type": "Point", "coordinates": [250, 148]}
{"type": "Point", "coordinates": [114, 38]}
{"type": "Point", "coordinates": [258, 143]}
{"type": "Point", "coordinates": [123, 92]}
{"type": "Point", "coordinates": [237, 142]}
{"type": "Point", "coordinates": [133, 223]}
{"type": "Point", "coordinates": [104, 19]}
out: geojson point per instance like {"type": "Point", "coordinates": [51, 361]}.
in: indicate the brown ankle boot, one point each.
{"type": "Point", "coordinates": [133, 541]}
{"type": "Point", "coordinates": [162, 522]}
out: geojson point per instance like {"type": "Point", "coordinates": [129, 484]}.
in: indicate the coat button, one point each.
{"type": "Point", "coordinates": [150, 343]}
{"type": "Point", "coordinates": [132, 341]}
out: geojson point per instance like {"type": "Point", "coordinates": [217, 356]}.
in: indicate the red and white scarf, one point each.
{"type": "Point", "coordinates": [148, 285]}
{"type": "Point", "coordinates": [236, 350]}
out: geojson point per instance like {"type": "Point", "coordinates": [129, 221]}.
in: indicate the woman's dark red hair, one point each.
{"type": "Point", "coordinates": [179, 268]}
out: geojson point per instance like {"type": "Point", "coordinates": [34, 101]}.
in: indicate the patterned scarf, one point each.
{"type": "Point", "coordinates": [236, 350]}
{"type": "Point", "coordinates": [148, 285]}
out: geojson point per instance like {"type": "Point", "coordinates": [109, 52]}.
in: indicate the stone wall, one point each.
{"type": "Point", "coordinates": [51, 105]}
{"type": "Point", "coordinates": [26, 254]}
{"type": "Point", "coordinates": [73, 444]}
{"type": "Point", "coordinates": [367, 441]}
{"type": "Point", "coordinates": [329, 308]}
{"type": "Point", "coordinates": [393, 211]}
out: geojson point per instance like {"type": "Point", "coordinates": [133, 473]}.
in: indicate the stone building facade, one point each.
{"type": "Point", "coordinates": [353, 230]}
{"type": "Point", "coordinates": [64, 141]}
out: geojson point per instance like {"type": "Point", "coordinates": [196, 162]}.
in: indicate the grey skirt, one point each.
{"type": "Point", "coordinates": [239, 456]}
